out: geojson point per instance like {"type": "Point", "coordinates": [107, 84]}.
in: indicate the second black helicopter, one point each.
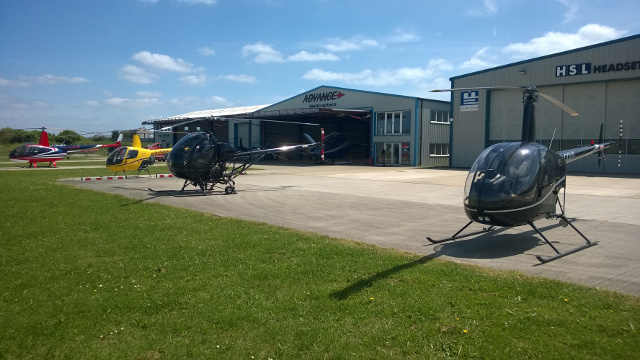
{"type": "Point", "coordinates": [516, 183]}
{"type": "Point", "coordinates": [204, 162]}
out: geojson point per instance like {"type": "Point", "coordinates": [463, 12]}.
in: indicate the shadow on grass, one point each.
{"type": "Point", "coordinates": [368, 282]}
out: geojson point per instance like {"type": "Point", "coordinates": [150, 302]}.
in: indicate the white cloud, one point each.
{"type": "Point", "coordinates": [402, 36]}
{"type": "Point", "coordinates": [40, 105]}
{"type": "Point", "coordinates": [14, 83]}
{"type": "Point", "coordinates": [241, 78]}
{"type": "Point", "coordinates": [440, 64]}
{"type": "Point", "coordinates": [219, 101]}
{"type": "Point", "coordinates": [195, 80]}
{"type": "Point", "coordinates": [136, 102]}
{"type": "Point", "coordinates": [553, 42]}
{"type": "Point", "coordinates": [477, 61]}
{"type": "Point", "coordinates": [92, 103]}
{"type": "Point", "coordinates": [148, 94]}
{"type": "Point", "coordinates": [162, 62]}
{"type": "Point", "coordinates": [206, 51]}
{"type": "Point", "coordinates": [55, 79]}
{"type": "Point", "coordinates": [306, 56]}
{"type": "Point", "coordinates": [489, 7]}
{"type": "Point", "coordinates": [383, 77]}
{"type": "Point", "coordinates": [47, 79]}
{"type": "Point", "coordinates": [338, 45]}
{"type": "Point", "coordinates": [572, 10]}
{"type": "Point", "coordinates": [136, 74]}
{"type": "Point", "coordinates": [264, 53]}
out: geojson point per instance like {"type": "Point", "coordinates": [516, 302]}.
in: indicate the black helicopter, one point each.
{"type": "Point", "coordinates": [516, 183]}
{"type": "Point", "coordinates": [203, 161]}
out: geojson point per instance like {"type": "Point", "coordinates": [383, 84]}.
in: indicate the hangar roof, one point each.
{"type": "Point", "coordinates": [207, 114]}
{"type": "Point", "coordinates": [254, 112]}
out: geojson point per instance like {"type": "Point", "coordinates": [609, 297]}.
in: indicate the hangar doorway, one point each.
{"type": "Point", "coordinates": [347, 133]}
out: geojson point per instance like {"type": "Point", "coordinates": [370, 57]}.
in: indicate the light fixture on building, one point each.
{"type": "Point", "coordinates": [522, 72]}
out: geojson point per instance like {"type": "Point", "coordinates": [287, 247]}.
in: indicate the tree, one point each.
{"type": "Point", "coordinates": [100, 138]}
{"type": "Point", "coordinates": [13, 136]}
{"type": "Point", "coordinates": [69, 137]}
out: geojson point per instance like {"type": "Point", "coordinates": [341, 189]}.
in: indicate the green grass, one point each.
{"type": "Point", "coordinates": [92, 275]}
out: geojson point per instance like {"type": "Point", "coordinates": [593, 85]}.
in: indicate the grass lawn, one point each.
{"type": "Point", "coordinates": [91, 275]}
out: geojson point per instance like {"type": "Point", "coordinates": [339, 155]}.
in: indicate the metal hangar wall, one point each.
{"type": "Point", "coordinates": [601, 82]}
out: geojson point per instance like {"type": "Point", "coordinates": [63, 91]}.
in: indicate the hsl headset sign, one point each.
{"type": "Point", "coordinates": [469, 100]}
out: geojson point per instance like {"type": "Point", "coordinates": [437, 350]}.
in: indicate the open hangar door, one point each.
{"type": "Point", "coordinates": [350, 143]}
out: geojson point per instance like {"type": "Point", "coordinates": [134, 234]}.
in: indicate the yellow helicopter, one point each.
{"type": "Point", "coordinates": [134, 157]}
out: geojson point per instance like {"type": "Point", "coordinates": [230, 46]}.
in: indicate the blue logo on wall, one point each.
{"type": "Point", "coordinates": [470, 97]}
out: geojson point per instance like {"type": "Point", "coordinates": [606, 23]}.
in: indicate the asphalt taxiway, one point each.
{"type": "Point", "coordinates": [397, 207]}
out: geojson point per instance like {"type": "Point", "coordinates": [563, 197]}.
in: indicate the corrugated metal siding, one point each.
{"type": "Point", "coordinates": [468, 129]}
{"type": "Point", "coordinates": [433, 133]}
{"type": "Point", "coordinates": [623, 104]}
{"type": "Point", "coordinates": [601, 97]}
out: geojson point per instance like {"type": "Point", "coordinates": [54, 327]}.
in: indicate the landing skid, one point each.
{"type": "Point", "coordinates": [563, 222]}
{"type": "Point", "coordinates": [204, 187]}
{"type": "Point", "coordinates": [455, 236]}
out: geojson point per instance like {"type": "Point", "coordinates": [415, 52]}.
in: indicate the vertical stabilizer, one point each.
{"type": "Point", "coordinates": [136, 141]}
{"type": "Point", "coordinates": [44, 139]}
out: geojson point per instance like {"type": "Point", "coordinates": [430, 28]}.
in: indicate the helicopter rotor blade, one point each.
{"type": "Point", "coordinates": [559, 104]}
{"type": "Point", "coordinates": [270, 120]}
{"type": "Point", "coordinates": [479, 88]}
{"type": "Point", "coordinates": [529, 89]}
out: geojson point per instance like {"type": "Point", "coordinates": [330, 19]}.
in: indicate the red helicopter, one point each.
{"type": "Point", "coordinates": [43, 152]}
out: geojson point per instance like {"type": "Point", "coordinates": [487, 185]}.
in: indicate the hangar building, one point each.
{"type": "Point", "coordinates": [601, 82]}
{"type": "Point", "coordinates": [412, 130]}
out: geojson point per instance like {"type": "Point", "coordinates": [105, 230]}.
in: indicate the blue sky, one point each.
{"type": "Point", "coordinates": [102, 65]}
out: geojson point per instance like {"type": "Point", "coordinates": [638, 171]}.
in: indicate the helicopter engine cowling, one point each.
{"type": "Point", "coordinates": [225, 152]}
{"type": "Point", "coordinates": [193, 156]}
{"type": "Point", "coordinates": [511, 184]}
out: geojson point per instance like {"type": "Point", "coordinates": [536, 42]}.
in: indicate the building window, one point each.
{"type": "Point", "coordinates": [633, 146]}
{"type": "Point", "coordinates": [439, 149]}
{"type": "Point", "coordinates": [440, 116]}
{"type": "Point", "coordinates": [394, 123]}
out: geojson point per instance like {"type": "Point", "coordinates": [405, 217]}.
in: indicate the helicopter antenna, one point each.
{"type": "Point", "coordinates": [552, 137]}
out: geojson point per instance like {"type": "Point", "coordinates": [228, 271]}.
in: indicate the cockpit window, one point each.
{"type": "Point", "coordinates": [131, 154]}
{"type": "Point", "coordinates": [17, 151]}
{"type": "Point", "coordinates": [193, 155]}
{"type": "Point", "coordinates": [504, 175]}
{"type": "Point", "coordinates": [117, 156]}
{"type": "Point", "coordinates": [202, 154]}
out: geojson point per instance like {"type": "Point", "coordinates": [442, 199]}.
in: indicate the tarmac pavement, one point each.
{"type": "Point", "coordinates": [397, 207]}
